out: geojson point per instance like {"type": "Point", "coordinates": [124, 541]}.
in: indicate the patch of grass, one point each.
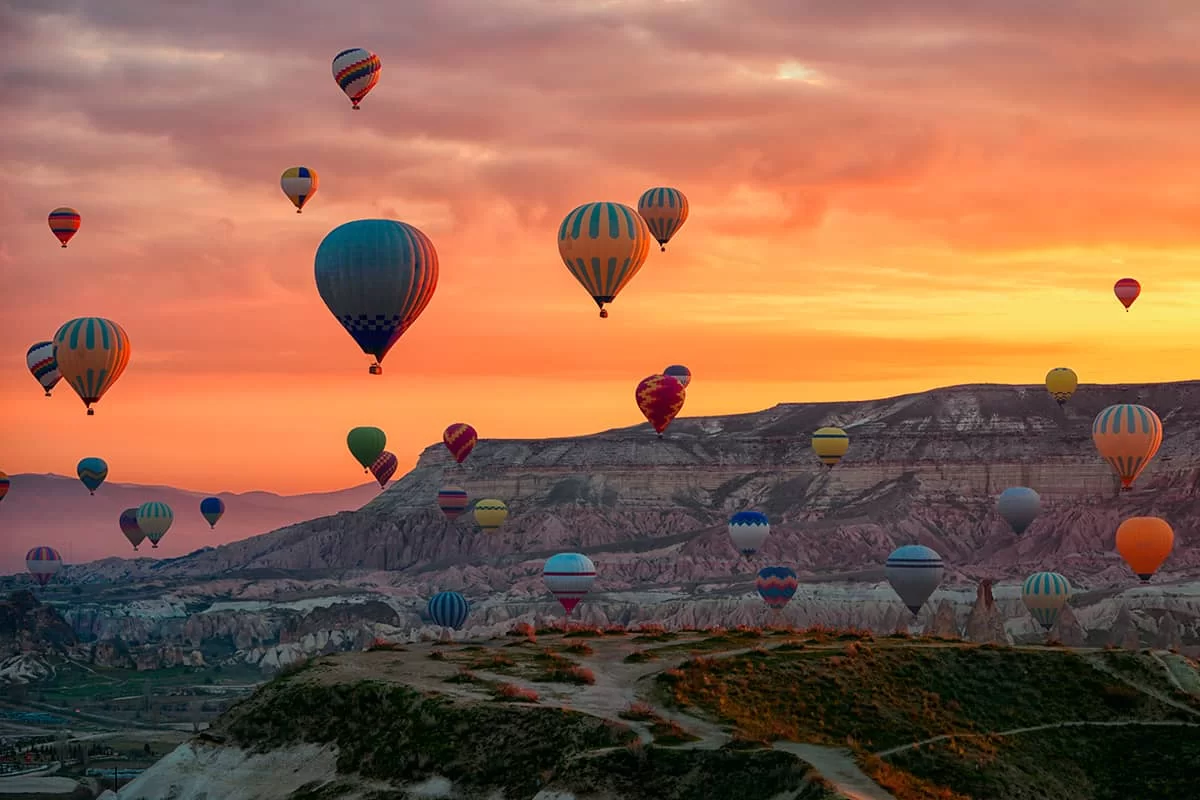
{"type": "Point", "coordinates": [669, 732]}
{"type": "Point", "coordinates": [507, 692]}
{"type": "Point", "coordinates": [579, 649]}
{"type": "Point", "coordinates": [437, 655]}
{"type": "Point", "coordinates": [640, 657]}
{"type": "Point", "coordinates": [463, 676]}
{"type": "Point", "coordinates": [639, 711]}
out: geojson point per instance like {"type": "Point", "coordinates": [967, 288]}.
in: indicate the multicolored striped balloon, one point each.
{"type": "Point", "coordinates": [92, 472]}
{"type": "Point", "coordinates": [129, 527]}
{"type": "Point", "coordinates": [452, 500]}
{"type": "Point", "coordinates": [1045, 594]}
{"type": "Point", "coordinates": [660, 398]}
{"type": "Point", "coordinates": [212, 509]}
{"type": "Point", "coordinates": [603, 245]}
{"type": "Point", "coordinates": [154, 519]}
{"type": "Point", "coordinates": [569, 577]}
{"type": "Point", "coordinates": [42, 364]}
{"type": "Point", "coordinates": [299, 184]}
{"type": "Point", "coordinates": [64, 223]}
{"type": "Point", "coordinates": [490, 514]}
{"type": "Point", "coordinates": [1128, 437]}
{"type": "Point", "coordinates": [776, 585]}
{"type": "Point", "coordinates": [376, 276]}
{"type": "Point", "coordinates": [830, 444]}
{"type": "Point", "coordinates": [665, 210]}
{"type": "Point", "coordinates": [448, 609]}
{"type": "Point", "coordinates": [91, 352]}
{"type": "Point", "coordinates": [460, 439]}
{"type": "Point", "coordinates": [43, 564]}
{"type": "Point", "coordinates": [384, 467]}
{"type": "Point", "coordinates": [356, 71]}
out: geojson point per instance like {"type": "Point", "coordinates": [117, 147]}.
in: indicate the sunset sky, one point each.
{"type": "Point", "coordinates": [882, 201]}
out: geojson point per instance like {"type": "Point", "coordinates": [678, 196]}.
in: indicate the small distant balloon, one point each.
{"type": "Point", "coordinates": [830, 444]}
{"type": "Point", "coordinates": [1145, 543]}
{"type": "Point", "coordinates": [92, 472]}
{"type": "Point", "coordinates": [299, 184]}
{"type": "Point", "coordinates": [1019, 506]}
{"type": "Point", "coordinates": [448, 609]}
{"type": "Point", "coordinates": [1128, 437]}
{"type": "Point", "coordinates": [384, 467]}
{"type": "Point", "coordinates": [776, 586]}
{"type": "Point", "coordinates": [1127, 290]}
{"type": "Point", "coordinates": [490, 514]}
{"type": "Point", "coordinates": [665, 210]}
{"type": "Point", "coordinates": [748, 530]}
{"type": "Point", "coordinates": [212, 509]}
{"type": "Point", "coordinates": [460, 439]}
{"type": "Point", "coordinates": [356, 71]}
{"type": "Point", "coordinates": [129, 527]}
{"type": "Point", "coordinates": [5, 483]}
{"type": "Point", "coordinates": [680, 373]}
{"type": "Point", "coordinates": [1045, 594]}
{"type": "Point", "coordinates": [914, 571]}
{"type": "Point", "coordinates": [569, 577]}
{"type": "Point", "coordinates": [1062, 382]}
{"type": "Point", "coordinates": [43, 365]}
{"type": "Point", "coordinates": [660, 398]}
{"type": "Point", "coordinates": [453, 501]}
{"type": "Point", "coordinates": [43, 564]}
{"type": "Point", "coordinates": [64, 223]}
{"type": "Point", "coordinates": [154, 519]}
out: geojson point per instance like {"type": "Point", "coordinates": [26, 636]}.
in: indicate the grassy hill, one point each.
{"type": "Point", "coordinates": [807, 714]}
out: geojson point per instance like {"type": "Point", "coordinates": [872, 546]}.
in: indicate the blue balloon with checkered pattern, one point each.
{"type": "Point", "coordinates": [449, 609]}
{"type": "Point", "coordinates": [376, 276]}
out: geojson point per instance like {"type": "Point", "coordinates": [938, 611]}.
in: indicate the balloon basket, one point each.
{"type": "Point", "coordinates": [64, 247]}
{"type": "Point", "coordinates": [375, 369]}
{"type": "Point", "coordinates": [604, 313]}
{"type": "Point", "coordinates": [91, 412]}
{"type": "Point", "coordinates": [47, 394]}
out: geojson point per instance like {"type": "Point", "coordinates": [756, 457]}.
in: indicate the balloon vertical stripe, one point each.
{"type": "Point", "coordinates": [449, 609]}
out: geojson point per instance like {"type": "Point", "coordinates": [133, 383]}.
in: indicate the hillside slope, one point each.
{"type": "Point", "coordinates": [816, 713]}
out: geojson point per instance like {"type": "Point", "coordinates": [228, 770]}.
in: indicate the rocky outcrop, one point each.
{"type": "Point", "coordinates": [985, 624]}
{"type": "Point", "coordinates": [29, 626]}
{"type": "Point", "coordinates": [945, 621]}
{"type": "Point", "coordinates": [1068, 630]}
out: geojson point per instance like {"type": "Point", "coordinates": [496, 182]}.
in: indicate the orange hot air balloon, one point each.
{"type": "Point", "coordinates": [660, 397]}
{"type": "Point", "coordinates": [1145, 543]}
{"type": "Point", "coordinates": [1127, 436]}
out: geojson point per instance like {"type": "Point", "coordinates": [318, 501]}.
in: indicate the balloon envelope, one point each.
{"type": "Point", "coordinates": [776, 585]}
{"type": "Point", "coordinates": [603, 245]}
{"type": "Point", "coordinates": [154, 519]}
{"type": "Point", "coordinates": [366, 444]}
{"type": "Point", "coordinates": [665, 210]}
{"type": "Point", "coordinates": [569, 577]}
{"type": "Point", "coordinates": [660, 398]}
{"type": "Point", "coordinates": [1127, 290]}
{"type": "Point", "coordinates": [211, 508]}
{"type": "Point", "coordinates": [1045, 594]}
{"type": "Point", "coordinates": [1019, 506]}
{"type": "Point", "coordinates": [914, 571]}
{"type": "Point", "coordinates": [43, 365]}
{"type": "Point", "coordinates": [1061, 383]}
{"type": "Point", "coordinates": [448, 609]}
{"type": "Point", "coordinates": [680, 373]}
{"type": "Point", "coordinates": [384, 467]}
{"type": "Point", "coordinates": [452, 500]}
{"type": "Point", "coordinates": [64, 223]}
{"type": "Point", "coordinates": [460, 439]}
{"type": "Point", "coordinates": [1127, 436]}
{"type": "Point", "coordinates": [1145, 543]}
{"type": "Point", "coordinates": [356, 71]}
{"type": "Point", "coordinates": [91, 353]}
{"type": "Point", "coordinates": [299, 184]}
{"type": "Point", "coordinates": [830, 444]}
{"type": "Point", "coordinates": [749, 529]}
{"type": "Point", "coordinates": [5, 483]}
{"type": "Point", "coordinates": [490, 514]}
{"type": "Point", "coordinates": [129, 527]}
{"type": "Point", "coordinates": [43, 563]}
{"type": "Point", "coordinates": [92, 472]}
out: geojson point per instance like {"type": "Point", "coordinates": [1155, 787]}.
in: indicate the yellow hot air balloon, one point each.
{"type": "Point", "coordinates": [1145, 543]}
{"type": "Point", "coordinates": [490, 514]}
{"type": "Point", "coordinates": [91, 353]}
{"type": "Point", "coordinates": [1061, 382]}
{"type": "Point", "coordinates": [1127, 436]}
{"type": "Point", "coordinates": [830, 444]}
{"type": "Point", "coordinates": [299, 184]}
{"type": "Point", "coordinates": [603, 245]}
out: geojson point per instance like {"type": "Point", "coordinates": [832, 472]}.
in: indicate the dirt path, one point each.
{"type": "Point", "coordinates": [837, 766]}
{"type": "Point", "coordinates": [1172, 723]}
{"type": "Point", "coordinates": [1143, 688]}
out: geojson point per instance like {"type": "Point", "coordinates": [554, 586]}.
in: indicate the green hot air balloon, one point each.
{"type": "Point", "coordinates": [366, 444]}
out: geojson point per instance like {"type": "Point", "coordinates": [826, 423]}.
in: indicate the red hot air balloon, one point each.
{"type": "Point", "coordinates": [1127, 290]}
{"type": "Point", "coordinates": [460, 439]}
{"type": "Point", "coordinates": [453, 501]}
{"type": "Point", "coordinates": [384, 468]}
{"type": "Point", "coordinates": [660, 397]}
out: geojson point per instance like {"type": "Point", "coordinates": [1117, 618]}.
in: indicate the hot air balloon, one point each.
{"type": "Point", "coordinates": [914, 571]}
{"type": "Point", "coordinates": [212, 509]}
{"type": "Point", "coordinates": [749, 529]}
{"type": "Point", "coordinates": [92, 353]}
{"type": "Point", "coordinates": [4, 484]}
{"type": "Point", "coordinates": [299, 184]}
{"type": "Point", "coordinates": [664, 210]}
{"type": "Point", "coordinates": [452, 500]}
{"type": "Point", "coordinates": [830, 444]}
{"type": "Point", "coordinates": [129, 527]}
{"type": "Point", "coordinates": [680, 373]}
{"type": "Point", "coordinates": [1019, 507]}
{"type": "Point", "coordinates": [154, 519]}
{"type": "Point", "coordinates": [448, 609]}
{"type": "Point", "coordinates": [41, 362]}
{"type": "Point", "coordinates": [1145, 543]}
{"type": "Point", "coordinates": [384, 468]}
{"type": "Point", "coordinates": [1127, 437]}
{"type": "Point", "coordinates": [460, 439]}
{"type": "Point", "coordinates": [43, 564]}
{"type": "Point", "coordinates": [490, 514]}
{"type": "Point", "coordinates": [569, 577]}
{"type": "Point", "coordinates": [376, 276]}
{"type": "Point", "coordinates": [1127, 290]}
{"type": "Point", "coordinates": [1061, 382]}
{"type": "Point", "coordinates": [64, 223]}
{"type": "Point", "coordinates": [776, 585]}
{"type": "Point", "coordinates": [92, 472]}
{"type": "Point", "coordinates": [603, 245]}
{"type": "Point", "coordinates": [366, 443]}
{"type": "Point", "coordinates": [356, 71]}
{"type": "Point", "coordinates": [660, 398]}
{"type": "Point", "coordinates": [1045, 594]}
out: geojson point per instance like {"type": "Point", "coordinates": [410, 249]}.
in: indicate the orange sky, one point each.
{"type": "Point", "coordinates": [880, 203]}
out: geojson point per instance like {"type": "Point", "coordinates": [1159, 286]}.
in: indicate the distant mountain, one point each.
{"type": "Point", "coordinates": [58, 511]}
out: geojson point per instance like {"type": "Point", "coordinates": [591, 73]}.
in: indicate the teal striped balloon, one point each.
{"type": "Point", "coordinates": [1045, 594]}
{"type": "Point", "coordinates": [154, 519]}
{"type": "Point", "coordinates": [603, 245]}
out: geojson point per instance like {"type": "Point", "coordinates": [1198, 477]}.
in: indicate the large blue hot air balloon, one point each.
{"type": "Point", "coordinates": [914, 571]}
{"type": "Point", "coordinates": [92, 472]}
{"type": "Point", "coordinates": [749, 529]}
{"type": "Point", "coordinates": [449, 609]}
{"type": "Point", "coordinates": [376, 276]}
{"type": "Point", "coordinates": [211, 508]}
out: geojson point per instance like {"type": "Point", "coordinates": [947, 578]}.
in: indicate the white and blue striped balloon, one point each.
{"type": "Point", "coordinates": [914, 571]}
{"type": "Point", "coordinates": [448, 609]}
{"type": "Point", "coordinates": [1045, 594]}
{"type": "Point", "coordinates": [749, 529]}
